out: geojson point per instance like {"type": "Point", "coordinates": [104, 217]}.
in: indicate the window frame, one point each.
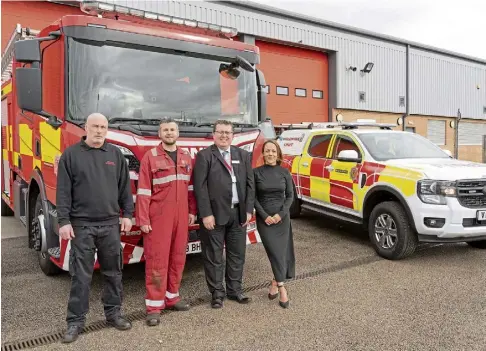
{"type": "Point", "coordinates": [300, 96]}
{"type": "Point", "coordinates": [320, 91]}
{"type": "Point", "coordinates": [308, 148]}
{"type": "Point", "coordinates": [361, 153]}
{"type": "Point", "coordinates": [281, 86]}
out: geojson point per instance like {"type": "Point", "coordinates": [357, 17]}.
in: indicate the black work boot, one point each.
{"type": "Point", "coordinates": [180, 305]}
{"type": "Point", "coordinates": [153, 320]}
{"type": "Point", "coordinates": [71, 334]}
{"type": "Point", "coordinates": [120, 323]}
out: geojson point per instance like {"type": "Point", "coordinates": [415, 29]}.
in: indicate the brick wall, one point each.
{"type": "Point", "coordinates": [470, 153]}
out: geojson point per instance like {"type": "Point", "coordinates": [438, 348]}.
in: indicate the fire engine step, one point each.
{"type": "Point", "coordinates": [54, 252]}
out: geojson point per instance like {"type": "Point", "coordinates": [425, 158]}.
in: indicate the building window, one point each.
{"type": "Point", "coordinates": [282, 91]}
{"type": "Point", "coordinates": [484, 109]}
{"type": "Point", "coordinates": [300, 92]}
{"type": "Point", "coordinates": [266, 89]}
{"type": "Point", "coordinates": [317, 94]}
{"type": "Point", "coordinates": [410, 129]}
{"type": "Point", "coordinates": [402, 101]}
{"type": "Point", "coordinates": [362, 96]}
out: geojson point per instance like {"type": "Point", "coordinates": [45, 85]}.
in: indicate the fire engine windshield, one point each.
{"type": "Point", "coordinates": [125, 82]}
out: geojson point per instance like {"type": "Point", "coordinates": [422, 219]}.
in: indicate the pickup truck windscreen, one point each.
{"type": "Point", "coordinates": [393, 145]}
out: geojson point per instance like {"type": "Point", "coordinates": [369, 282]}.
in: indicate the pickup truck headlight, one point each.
{"type": "Point", "coordinates": [434, 192]}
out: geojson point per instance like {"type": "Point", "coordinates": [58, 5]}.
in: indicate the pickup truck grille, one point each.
{"type": "Point", "coordinates": [472, 193]}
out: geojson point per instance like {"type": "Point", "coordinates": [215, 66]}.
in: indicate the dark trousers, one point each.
{"type": "Point", "coordinates": [81, 264]}
{"type": "Point", "coordinates": [212, 244]}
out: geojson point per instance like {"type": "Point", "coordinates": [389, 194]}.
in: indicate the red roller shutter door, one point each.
{"type": "Point", "coordinates": [295, 68]}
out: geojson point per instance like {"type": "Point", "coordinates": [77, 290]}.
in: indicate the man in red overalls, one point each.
{"type": "Point", "coordinates": [164, 209]}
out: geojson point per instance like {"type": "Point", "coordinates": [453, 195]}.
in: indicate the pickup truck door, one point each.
{"type": "Point", "coordinates": [312, 180]}
{"type": "Point", "coordinates": [342, 175]}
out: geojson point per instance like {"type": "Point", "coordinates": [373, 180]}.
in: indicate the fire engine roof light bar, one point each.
{"type": "Point", "coordinates": [98, 8]}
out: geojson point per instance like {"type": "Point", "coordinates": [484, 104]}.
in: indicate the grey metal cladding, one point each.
{"type": "Point", "coordinates": [441, 85]}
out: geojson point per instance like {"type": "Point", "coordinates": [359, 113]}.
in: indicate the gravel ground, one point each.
{"type": "Point", "coordinates": [432, 301]}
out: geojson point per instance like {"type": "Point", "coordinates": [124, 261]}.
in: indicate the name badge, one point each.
{"type": "Point", "coordinates": [236, 161]}
{"type": "Point", "coordinates": [233, 179]}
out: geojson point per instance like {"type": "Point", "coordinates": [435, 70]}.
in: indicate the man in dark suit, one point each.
{"type": "Point", "coordinates": [225, 192]}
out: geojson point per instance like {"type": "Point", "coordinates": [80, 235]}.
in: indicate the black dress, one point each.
{"type": "Point", "coordinates": [274, 194]}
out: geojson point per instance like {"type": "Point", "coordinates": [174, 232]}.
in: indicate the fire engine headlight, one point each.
{"type": "Point", "coordinates": [132, 162]}
{"type": "Point", "coordinates": [434, 192]}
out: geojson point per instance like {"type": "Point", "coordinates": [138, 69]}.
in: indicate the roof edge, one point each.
{"type": "Point", "coordinates": [349, 29]}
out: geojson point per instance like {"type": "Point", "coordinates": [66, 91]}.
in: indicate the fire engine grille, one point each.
{"type": "Point", "coordinates": [472, 193]}
{"type": "Point", "coordinates": [198, 301]}
{"type": "Point", "coordinates": [133, 163]}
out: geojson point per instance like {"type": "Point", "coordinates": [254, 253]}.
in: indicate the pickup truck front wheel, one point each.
{"type": "Point", "coordinates": [390, 232]}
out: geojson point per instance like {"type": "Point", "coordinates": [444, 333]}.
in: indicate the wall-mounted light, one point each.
{"type": "Point", "coordinates": [339, 117]}
{"type": "Point", "coordinates": [351, 68]}
{"type": "Point", "coordinates": [399, 121]}
{"type": "Point", "coordinates": [368, 67]}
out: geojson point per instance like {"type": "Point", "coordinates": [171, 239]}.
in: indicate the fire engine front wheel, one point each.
{"type": "Point", "coordinates": [390, 232]}
{"type": "Point", "coordinates": [45, 263]}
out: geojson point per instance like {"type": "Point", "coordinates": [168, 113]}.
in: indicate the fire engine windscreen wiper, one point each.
{"type": "Point", "coordinates": [115, 120]}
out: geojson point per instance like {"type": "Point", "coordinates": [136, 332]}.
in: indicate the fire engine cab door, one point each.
{"type": "Point", "coordinates": [344, 175]}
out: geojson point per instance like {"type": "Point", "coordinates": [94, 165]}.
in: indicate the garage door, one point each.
{"type": "Point", "coordinates": [297, 83]}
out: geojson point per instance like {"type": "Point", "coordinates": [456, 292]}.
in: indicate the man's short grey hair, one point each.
{"type": "Point", "coordinates": [164, 120]}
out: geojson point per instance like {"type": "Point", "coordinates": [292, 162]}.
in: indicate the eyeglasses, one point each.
{"type": "Point", "coordinates": [223, 132]}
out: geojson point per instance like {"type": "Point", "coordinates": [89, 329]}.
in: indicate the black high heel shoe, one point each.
{"type": "Point", "coordinates": [285, 304]}
{"type": "Point", "coordinates": [273, 296]}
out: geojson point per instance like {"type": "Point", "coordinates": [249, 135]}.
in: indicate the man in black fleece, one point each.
{"type": "Point", "coordinates": [93, 183]}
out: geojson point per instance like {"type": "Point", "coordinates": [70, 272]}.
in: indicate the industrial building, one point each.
{"type": "Point", "coordinates": [317, 70]}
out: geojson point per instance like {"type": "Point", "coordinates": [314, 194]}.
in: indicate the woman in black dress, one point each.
{"type": "Point", "coordinates": [274, 196]}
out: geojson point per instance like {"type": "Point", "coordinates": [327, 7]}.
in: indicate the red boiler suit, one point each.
{"type": "Point", "coordinates": [164, 201]}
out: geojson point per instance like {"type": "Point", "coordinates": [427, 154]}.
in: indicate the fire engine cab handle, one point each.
{"type": "Point", "coordinates": [305, 164]}
{"type": "Point", "coordinates": [329, 168]}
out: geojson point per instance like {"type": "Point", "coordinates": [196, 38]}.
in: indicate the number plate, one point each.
{"type": "Point", "coordinates": [193, 247]}
{"type": "Point", "coordinates": [481, 215]}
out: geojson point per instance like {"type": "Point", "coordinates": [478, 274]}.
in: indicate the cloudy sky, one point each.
{"type": "Point", "coordinates": [456, 25]}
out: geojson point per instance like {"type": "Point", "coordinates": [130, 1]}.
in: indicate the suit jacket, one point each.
{"type": "Point", "coordinates": [213, 186]}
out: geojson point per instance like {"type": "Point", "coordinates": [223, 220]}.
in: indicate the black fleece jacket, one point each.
{"type": "Point", "coordinates": [93, 184]}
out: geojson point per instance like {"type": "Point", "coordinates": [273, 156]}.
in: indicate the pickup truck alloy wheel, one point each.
{"type": "Point", "coordinates": [390, 231]}
{"type": "Point", "coordinates": [386, 231]}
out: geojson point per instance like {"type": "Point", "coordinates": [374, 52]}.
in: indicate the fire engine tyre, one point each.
{"type": "Point", "coordinates": [45, 262]}
{"type": "Point", "coordinates": [390, 231]}
{"type": "Point", "coordinates": [481, 244]}
{"type": "Point", "coordinates": [295, 208]}
{"type": "Point", "coordinates": [6, 210]}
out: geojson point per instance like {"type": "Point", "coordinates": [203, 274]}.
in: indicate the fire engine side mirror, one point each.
{"type": "Point", "coordinates": [27, 51]}
{"type": "Point", "coordinates": [261, 96]}
{"type": "Point", "coordinates": [29, 89]}
{"type": "Point", "coordinates": [349, 156]}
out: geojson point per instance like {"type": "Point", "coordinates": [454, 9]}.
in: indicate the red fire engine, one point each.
{"type": "Point", "coordinates": [134, 67]}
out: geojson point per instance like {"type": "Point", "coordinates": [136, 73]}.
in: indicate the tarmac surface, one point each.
{"type": "Point", "coordinates": [344, 297]}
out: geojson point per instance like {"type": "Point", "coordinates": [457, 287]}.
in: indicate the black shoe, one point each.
{"type": "Point", "coordinates": [217, 303]}
{"type": "Point", "coordinates": [120, 323]}
{"type": "Point", "coordinates": [240, 298]}
{"type": "Point", "coordinates": [180, 306]}
{"type": "Point", "coordinates": [153, 320]}
{"type": "Point", "coordinates": [71, 334]}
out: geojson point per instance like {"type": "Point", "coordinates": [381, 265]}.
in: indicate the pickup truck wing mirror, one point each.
{"type": "Point", "coordinates": [349, 156]}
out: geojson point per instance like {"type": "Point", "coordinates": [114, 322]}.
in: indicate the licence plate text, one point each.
{"type": "Point", "coordinates": [193, 247]}
{"type": "Point", "coordinates": [481, 215]}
